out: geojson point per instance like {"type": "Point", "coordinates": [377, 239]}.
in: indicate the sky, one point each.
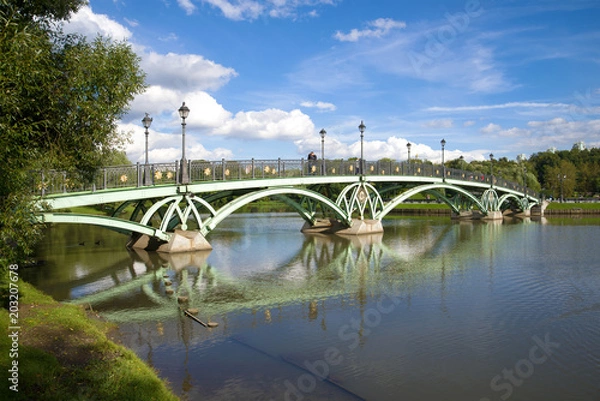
{"type": "Point", "coordinates": [262, 78]}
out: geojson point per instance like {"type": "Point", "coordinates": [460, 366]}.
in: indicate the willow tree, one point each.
{"type": "Point", "coordinates": [61, 97]}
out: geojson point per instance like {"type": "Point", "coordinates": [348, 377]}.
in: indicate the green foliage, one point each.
{"type": "Point", "coordinates": [41, 9]}
{"type": "Point", "coordinates": [60, 100]}
{"type": "Point", "coordinates": [116, 158]}
{"type": "Point", "coordinates": [579, 169]}
{"type": "Point", "coordinates": [522, 172]}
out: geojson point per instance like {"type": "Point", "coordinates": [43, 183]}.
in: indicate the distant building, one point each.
{"type": "Point", "coordinates": [552, 149]}
{"type": "Point", "coordinates": [579, 145]}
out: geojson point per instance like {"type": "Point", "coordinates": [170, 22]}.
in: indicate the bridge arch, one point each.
{"type": "Point", "coordinates": [523, 203]}
{"type": "Point", "coordinates": [113, 223]}
{"type": "Point", "coordinates": [431, 188]}
{"type": "Point", "coordinates": [308, 215]}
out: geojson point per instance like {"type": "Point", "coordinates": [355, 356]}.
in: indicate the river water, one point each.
{"type": "Point", "coordinates": [432, 309]}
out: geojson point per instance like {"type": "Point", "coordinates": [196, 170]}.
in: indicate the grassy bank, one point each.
{"type": "Point", "coordinates": [572, 209]}
{"type": "Point", "coordinates": [557, 206]}
{"type": "Point", "coordinates": [64, 353]}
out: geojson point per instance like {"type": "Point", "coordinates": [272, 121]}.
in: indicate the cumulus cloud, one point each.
{"type": "Point", "coordinates": [89, 24]}
{"type": "Point", "coordinates": [393, 148]}
{"type": "Point", "coordinates": [375, 29]}
{"type": "Point", "coordinates": [185, 71]}
{"type": "Point", "coordinates": [267, 124]}
{"type": "Point", "coordinates": [166, 147]}
{"type": "Point", "coordinates": [490, 129]}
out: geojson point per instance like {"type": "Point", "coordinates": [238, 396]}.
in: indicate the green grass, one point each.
{"type": "Point", "coordinates": [64, 354]}
{"type": "Point", "coordinates": [422, 206]}
{"type": "Point", "coordinates": [569, 206]}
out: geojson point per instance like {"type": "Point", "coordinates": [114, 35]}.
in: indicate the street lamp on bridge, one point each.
{"type": "Point", "coordinates": [184, 112]}
{"type": "Point", "coordinates": [361, 128]}
{"type": "Point", "coordinates": [146, 121]}
{"type": "Point", "coordinates": [408, 145]}
{"type": "Point", "coordinates": [443, 142]}
{"type": "Point", "coordinates": [491, 170]}
{"type": "Point", "coordinates": [323, 133]}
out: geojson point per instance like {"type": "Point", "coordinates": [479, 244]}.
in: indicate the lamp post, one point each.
{"type": "Point", "coordinates": [146, 121]}
{"type": "Point", "coordinates": [491, 170]}
{"type": "Point", "coordinates": [361, 128]}
{"type": "Point", "coordinates": [521, 159]}
{"type": "Point", "coordinates": [184, 112]}
{"type": "Point", "coordinates": [323, 133]}
{"type": "Point", "coordinates": [562, 178]}
{"type": "Point", "coordinates": [408, 145]}
{"type": "Point", "coordinates": [443, 142]}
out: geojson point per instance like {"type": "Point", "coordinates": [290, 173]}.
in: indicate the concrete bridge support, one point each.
{"type": "Point", "coordinates": [180, 241]}
{"type": "Point", "coordinates": [493, 215]}
{"type": "Point", "coordinates": [464, 215]}
{"type": "Point", "coordinates": [359, 227]}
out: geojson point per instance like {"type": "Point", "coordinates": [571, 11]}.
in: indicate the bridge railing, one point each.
{"type": "Point", "coordinates": [138, 175]}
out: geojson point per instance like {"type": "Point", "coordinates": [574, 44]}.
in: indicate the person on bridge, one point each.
{"type": "Point", "coordinates": [312, 163]}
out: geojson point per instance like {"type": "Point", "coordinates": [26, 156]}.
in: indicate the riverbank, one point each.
{"type": "Point", "coordinates": [64, 352]}
{"type": "Point", "coordinates": [556, 208]}
{"type": "Point", "coordinates": [441, 209]}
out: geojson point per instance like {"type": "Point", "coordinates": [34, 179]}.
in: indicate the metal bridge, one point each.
{"type": "Point", "coordinates": [330, 195]}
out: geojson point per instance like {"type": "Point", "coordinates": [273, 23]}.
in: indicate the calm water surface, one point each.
{"type": "Point", "coordinates": [429, 310]}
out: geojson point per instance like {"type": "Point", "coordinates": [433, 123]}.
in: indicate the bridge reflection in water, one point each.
{"type": "Point", "coordinates": [324, 266]}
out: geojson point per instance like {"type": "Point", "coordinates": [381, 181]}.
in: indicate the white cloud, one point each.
{"type": "Point", "coordinates": [497, 106]}
{"type": "Point", "coordinates": [267, 124]}
{"type": "Point", "coordinates": [187, 6]}
{"type": "Point", "coordinates": [132, 23]}
{"type": "Point", "coordinates": [490, 129]}
{"type": "Point", "coordinates": [375, 29]}
{"type": "Point", "coordinates": [89, 24]}
{"type": "Point", "coordinates": [171, 37]}
{"type": "Point", "coordinates": [239, 10]}
{"type": "Point", "coordinates": [393, 148]}
{"type": "Point", "coordinates": [514, 132]}
{"type": "Point", "coordinates": [185, 71]}
{"type": "Point", "coordinates": [445, 123]}
{"type": "Point", "coordinates": [323, 106]}
{"type": "Point", "coordinates": [242, 10]}
{"type": "Point", "coordinates": [166, 147]}
{"type": "Point", "coordinates": [469, 123]}
{"type": "Point", "coordinates": [205, 111]}
{"type": "Point", "coordinates": [163, 103]}
{"type": "Point", "coordinates": [555, 132]}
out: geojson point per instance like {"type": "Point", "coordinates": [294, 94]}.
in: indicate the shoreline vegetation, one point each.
{"type": "Point", "coordinates": [66, 353]}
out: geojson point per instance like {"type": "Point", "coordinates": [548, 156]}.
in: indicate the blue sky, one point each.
{"type": "Point", "coordinates": [263, 77]}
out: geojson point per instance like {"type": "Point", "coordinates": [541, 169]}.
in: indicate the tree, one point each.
{"type": "Point", "coordinates": [60, 100]}
{"type": "Point", "coordinates": [561, 179]}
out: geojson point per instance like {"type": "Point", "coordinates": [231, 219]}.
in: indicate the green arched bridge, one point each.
{"type": "Point", "coordinates": [172, 208]}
